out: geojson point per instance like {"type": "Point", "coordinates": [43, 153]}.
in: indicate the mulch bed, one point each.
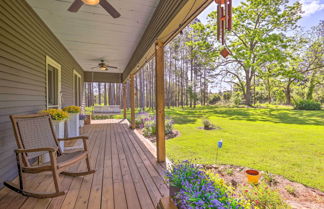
{"type": "Point", "coordinates": [303, 197]}
{"type": "Point", "coordinates": [209, 129]}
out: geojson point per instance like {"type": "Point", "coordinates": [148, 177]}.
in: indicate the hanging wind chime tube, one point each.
{"type": "Point", "coordinates": [224, 18]}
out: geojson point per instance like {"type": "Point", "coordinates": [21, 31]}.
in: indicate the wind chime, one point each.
{"type": "Point", "coordinates": [224, 22]}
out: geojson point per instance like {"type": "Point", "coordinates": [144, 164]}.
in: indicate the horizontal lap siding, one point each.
{"type": "Point", "coordinates": [24, 43]}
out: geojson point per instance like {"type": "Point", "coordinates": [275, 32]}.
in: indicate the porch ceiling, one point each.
{"type": "Point", "coordinates": [92, 34]}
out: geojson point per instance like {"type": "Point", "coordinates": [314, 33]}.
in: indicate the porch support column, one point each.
{"type": "Point", "coordinates": [132, 101]}
{"type": "Point", "coordinates": [159, 82]}
{"type": "Point", "coordinates": [124, 100]}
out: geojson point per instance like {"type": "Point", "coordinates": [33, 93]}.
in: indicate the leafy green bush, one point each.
{"type": "Point", "coordinates": [101, 117]}
{"type": "Point", "coordinates": [214, 99]}
{"type": "Point", "coordinates": [150, 127]}
{"type": "Point", "coordinates": [263, 197]}
{"type": "Point", "coordinates": [207, 124]}
{"type": "Point", "coordinates": [168, 126]}
{"type": "Point", "coordinates": [141, 118]}
{"type": "Point", "coordinates": [291, 190]}
{"type": "Point", "coordinates": [307, 105]}
{"type": "Point", "coordinates": [139, 122]}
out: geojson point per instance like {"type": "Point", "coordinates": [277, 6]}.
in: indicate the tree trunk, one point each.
{"type": "Point", "coordinates": [311, 87]}
{"type": "Point", "coordinates": [247, 94]}
{"type": "Point", "coordinates": [288, 93]}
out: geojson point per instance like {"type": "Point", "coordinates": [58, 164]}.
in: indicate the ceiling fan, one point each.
{"type": "Point", "coordinates": [102, 66]}
{"type": "Point", "coordinates": [76, 5]}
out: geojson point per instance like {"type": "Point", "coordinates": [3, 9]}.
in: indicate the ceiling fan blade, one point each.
{"type": "Point", "coordinates": [109, 8]}
{"type": "Point", "coordinates": [113, 67]}
{"type": "Point", "coordinates": [75, 6]}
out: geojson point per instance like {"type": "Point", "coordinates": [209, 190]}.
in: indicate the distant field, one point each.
{"type": "Point", "coordinates": [282, 141]}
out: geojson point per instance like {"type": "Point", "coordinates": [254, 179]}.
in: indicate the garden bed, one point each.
{"type": "Point", "coordinates": [171, 135]}
{"type": "Point", "coordinates": [296, 195]}
{"type": "Point", "coordinates": [226, 186]}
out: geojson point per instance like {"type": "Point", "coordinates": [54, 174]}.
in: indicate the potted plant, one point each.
{"type": "Point", "coordinates": [72, 124]}
{"type": "Point", "coordinates": [58, 117]}
{"type": "Point", "coordinates": [87, 119]}
{"type": "Point", "coordinates": [82, 118]}
{"type": "Point", "coordinates": [253, 176]}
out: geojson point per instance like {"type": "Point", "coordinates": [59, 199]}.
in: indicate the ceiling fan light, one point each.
{"type": "Point", "coordinates": [102, 68]}
{"type": "Point", "coordinates": [91, 2]}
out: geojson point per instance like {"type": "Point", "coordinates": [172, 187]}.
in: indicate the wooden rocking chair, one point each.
{"type": "Point", "coordinates": [35, 136]}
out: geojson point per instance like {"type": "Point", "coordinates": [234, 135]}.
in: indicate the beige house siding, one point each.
{"type": "Point", "coordinates": [25, 41]}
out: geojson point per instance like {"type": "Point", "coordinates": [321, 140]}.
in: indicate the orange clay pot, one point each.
{"type": "Point", "coordinates": [253, 176]}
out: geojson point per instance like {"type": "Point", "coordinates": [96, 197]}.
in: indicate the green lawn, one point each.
{"type": "Point", "coordinates": [281, 141]}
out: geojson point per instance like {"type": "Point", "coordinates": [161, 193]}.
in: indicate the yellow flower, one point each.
{"type": "Point", "coordinates": [72, 109]}
{"type": "Point", "coordinates": [56, 114]}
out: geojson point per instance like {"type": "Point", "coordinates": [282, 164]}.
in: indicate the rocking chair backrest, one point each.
{"type": "Point", "coordinates": [34, 131]}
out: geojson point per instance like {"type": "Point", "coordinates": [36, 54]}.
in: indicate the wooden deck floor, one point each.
{"type": "Point", "coordinates": [127, 175]}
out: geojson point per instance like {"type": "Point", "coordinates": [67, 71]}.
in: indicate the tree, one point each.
{"type": "Point", "coordinates": [259, 36]}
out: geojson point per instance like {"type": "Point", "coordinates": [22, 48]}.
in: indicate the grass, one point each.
{"type": "Point", "coordinates": [281, 141]}
{"type": "Point", "coordinates": [275, 139]}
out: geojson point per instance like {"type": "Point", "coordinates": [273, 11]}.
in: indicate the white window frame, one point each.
{"type": "Point", "coordinates": [56, 65]}
{"type": "Point", "coordinates": [80, 95]}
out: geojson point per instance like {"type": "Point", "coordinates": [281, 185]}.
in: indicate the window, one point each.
{"type": "Point", "coordinates": [77, 88]}
{"type": "Point", "coordinates": [53, 83]}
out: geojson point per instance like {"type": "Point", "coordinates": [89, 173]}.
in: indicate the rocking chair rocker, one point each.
{"type": "Point", "coordinates": [35, 136]}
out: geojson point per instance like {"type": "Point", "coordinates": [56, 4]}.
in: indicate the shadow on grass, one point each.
{"type": "Point", "coordinates": [191, 115]}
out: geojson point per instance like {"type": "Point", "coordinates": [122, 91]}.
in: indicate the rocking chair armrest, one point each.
{"type": "Point", "coordinates": [73, 138]}
{"type": "Point", "coordinates": [43, 149]}
{"type": "Point", "coordinates": [84, 140]}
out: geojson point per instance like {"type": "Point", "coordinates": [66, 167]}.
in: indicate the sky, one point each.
{"type": "Point", "coordinates": [313, 12]}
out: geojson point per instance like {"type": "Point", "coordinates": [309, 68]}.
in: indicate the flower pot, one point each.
{"type": "Point", "coordinates": [81, 123]}
{"type": "Point", "coordinates": [174, 190]}
{"type": "Point", "coordinates": [72, 125]}
{"type": "Point", "coordinates": [58, 126]}
{"type": "Point", "coordinates": [253, 176]}
{"type": "Point", "coordinates": [87, 120]}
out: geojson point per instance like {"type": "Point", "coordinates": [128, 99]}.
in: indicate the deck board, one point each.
{"type": "Point", "coordinates": [127, 175]}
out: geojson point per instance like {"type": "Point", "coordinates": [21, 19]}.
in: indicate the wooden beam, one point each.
{"type": "Point", "coordinates": [124, 101]}
{"type": "Point", "coordinates": [102, 77]}
{"type": "Point", "coordinates": [159, 82]}
{"type": "Point", "coordinates": [132, 98]}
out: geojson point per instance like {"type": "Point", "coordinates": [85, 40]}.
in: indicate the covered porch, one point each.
{"type": "Point", "coordinates": [46, 57]}
{"type": "Point", "coordinates": [127, 174]}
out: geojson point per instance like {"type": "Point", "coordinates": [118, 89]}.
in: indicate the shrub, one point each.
{"type": "Point", "coordinates": [233, 196]}
{"type": "Point", "coordinates": [150, 127]}
{"type": "Point", "coordinates": [269, 178]}
{"type": "Point", "coordinates": [82, 117]}
{"type": "Point", "coordinates": [101, 117]}
{"type": "Point", "coordinates": [307, 105]}
{"type": "Point", "coordinates": [214, 99]}
{"type": "Point", "coordinates": [207, 124]}
{"type": "Point", "coordinates": [263, 197]}
{"type": "Point", "coordinates": [56, 114]}
{"type": "Point", "coordinates": [140, 119]}
{"type": "Point", "coordinates": [168, 126]}
{"type": "Point", "coordinates": [291, 190]}
{"type": "Point", "coordinates": [72, 109]}
{"type": "Point", "coordinates": [197, 190]}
